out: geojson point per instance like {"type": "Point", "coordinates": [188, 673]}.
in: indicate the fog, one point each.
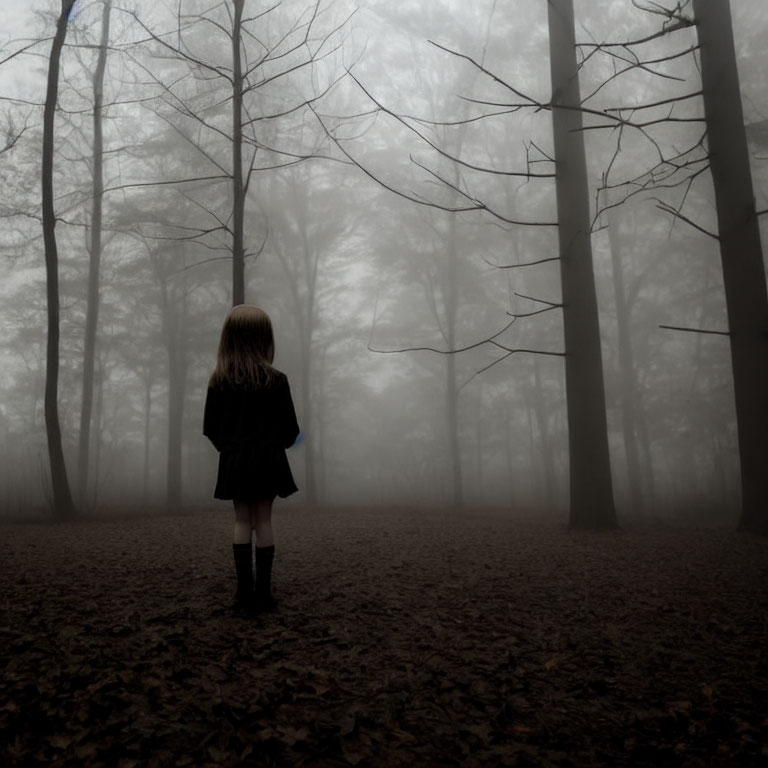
{"type": "Point", "coordinates": [392, 183]}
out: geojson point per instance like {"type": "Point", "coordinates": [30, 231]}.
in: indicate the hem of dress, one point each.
{"type": "Point", "coordinates": [277, 494]}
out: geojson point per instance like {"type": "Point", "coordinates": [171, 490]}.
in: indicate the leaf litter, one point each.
{"type": "Point", "coordinates": [402, 636]}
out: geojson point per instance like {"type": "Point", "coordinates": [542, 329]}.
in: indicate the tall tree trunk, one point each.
{"type": "Point", "coordinates": [535, 476]}
{"type": "Point", "coordinates": [509, 442]}
{"type": "Point", "coordinates": [452, 394]}
{"type": "Point", "coordinates": [63, 506]}
{"type": "Point", "coordinates": [147, 432]}
{"type": "Point", "coordinates": [627, 378]}
{"type": "Point", "coordinates": [310, 480]}
{"type": "Point", "coordinates": [177, 378]}
{"type": "Point", "coordinates": [549, 475]}
{"type": "Point", "coordinates": [321, 467]}
{"type": "Point", "coordinates": [307, 320]}
{"type": "Point", "coordinates": [176, 392]}
{"type": "Point", "coordinates": [741, 253]}
{"type": "Point", "coordinates": [238, 191]}
{"type": "Point", "coordinates": [644, 442]}
{"type": "Point", "coordinates": [173, 306]}
{"type": "Point", "coordinates": [311, 444]}
{"type": "Point", "coordinates": [591, 495]}
{"type": "Point", "coordinates": [99, 422]}
{"type": "Point", "coordinates": [455, 480]}
{"type": "Point", "coordinates": [479, 457]}
{"type": "Point", "coordinates": [94, 265]}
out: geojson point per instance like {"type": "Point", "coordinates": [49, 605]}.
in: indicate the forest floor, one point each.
{"type": "Point", "coordinates": [402, 637]}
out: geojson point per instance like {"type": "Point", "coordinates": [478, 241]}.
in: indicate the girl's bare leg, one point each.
{"type": "Point", "coordinates": [242, 532]}
{"type": "Point", "coordinates": [261, 522]}
{"type": "Point", "coordinates": [264, 552]}
{"type": "Point", "coordinates": [243, 554]}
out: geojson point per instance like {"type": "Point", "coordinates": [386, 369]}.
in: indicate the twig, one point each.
{"type": "Point", "coordinates": [661, 205]}
{"type": "Point", "coordinates": [501, 359]}
{"type": "Point", "coordinates": [695, 330]}
{"type": "Point", "coordinates": [522, 264]}
{"type": "Point", "coordinates": [489, 340]}
{"type": "Point", "coordinates": [540, 301]}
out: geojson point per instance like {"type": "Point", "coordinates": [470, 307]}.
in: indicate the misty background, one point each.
{"type": "Point", "coordinates": [351, 266]}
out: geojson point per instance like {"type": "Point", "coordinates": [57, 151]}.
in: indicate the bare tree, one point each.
{"type": "Point", "coordinates": [592, 503]}
{"type": "Point", "coordinates": [174, 306]}
{"type": "Point", "coordinates": [640, 478]}
{"type": "Point", "coordinates": [741, 252]}
{"type": "Point", "coordinates": [720, 146]}
{"type": "Point", "coordinates": [11, 131]}
{"type": "Point", "coordinates": [94, 265]}
{"type": "Point", "coordinates": [722, 149]}
{"type": "Point", "coordinates": [311, 214]}
{"type": "Point", "coordinates": [62, 498]}
{"type": "Point", "coordinates": [258, 68]}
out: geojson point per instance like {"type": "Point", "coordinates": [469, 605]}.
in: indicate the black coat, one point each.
{"type": "Point", "coordinates": [251, 428]}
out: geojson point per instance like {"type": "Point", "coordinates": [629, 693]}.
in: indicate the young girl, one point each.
{"type": "Point", "coordinates": [250, 419]}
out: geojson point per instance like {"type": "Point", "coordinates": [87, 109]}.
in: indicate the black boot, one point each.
{"type": "Point", "coordinates": [265, 600]}
{"type": "Point", "coordinates": [244, 597]}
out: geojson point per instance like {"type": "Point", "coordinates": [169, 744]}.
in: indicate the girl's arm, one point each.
{"type": "Point", "coordinates": [212, 418]}
{"type": "Point", "coordinates": [288, 417]}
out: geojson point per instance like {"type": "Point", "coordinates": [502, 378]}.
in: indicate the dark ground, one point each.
{"type": "Point", "coordinates": [402, 638]}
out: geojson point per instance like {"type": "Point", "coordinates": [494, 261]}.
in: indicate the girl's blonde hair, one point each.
{"type": "Point", "coordinates": [246, 349]}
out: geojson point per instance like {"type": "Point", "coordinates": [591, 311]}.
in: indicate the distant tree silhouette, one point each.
{"type": "Point", "coordinates": [63, 506]}
{"type": "Point", "coordinates": [94, 264]}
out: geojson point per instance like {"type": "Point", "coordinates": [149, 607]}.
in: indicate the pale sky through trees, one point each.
{"type": "Point", "coordinates": [345, 266]}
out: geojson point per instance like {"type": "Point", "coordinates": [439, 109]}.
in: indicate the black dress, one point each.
{"type": "Point", "coordinates": [251, 428]}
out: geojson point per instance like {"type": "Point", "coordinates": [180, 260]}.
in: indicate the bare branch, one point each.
{"type": "Point", "coordinates": [694, 330]}
{"type": "Point", "coordinates": [202, 263]}
{"type": "Point", "coordinates": [531, 101]}
{"type": "Point", "coordinates": [501, 359]}
{"type": "Point", "coordinates": [635, 63]}
{"type": "Point", "coordinates": [661, 205]}
{"type": "Point", "coordinates": [535, 312]}
{"type": "Point", "coordinates": [178, 52]}
{"type": "Point", "coordinates": [522, 264]}
{"type": "Point", "coordinates": [648, 123]}
{"type": "Point", "coordinates": [540, 301]}
{"type": "Point", "coordinates": [174, 102]}
{"type": "Point", "coordinates": [524, 349]}
{"type": "Point", "coordinates": [681, 23]}
{"type": "Point", "coordinates": [672, 100]}
{"type": "Point", "coordinates": [12, 134]}
{"type": "Point", "coordinates": [403, 120]}
{"type": "Point", "coordinates": [190, 141]}
{"type": "Point", "coordinates": [169, 182]}
{"type": "Point", "coordinates": [478, 204]}
{"type": "Point", "coordinates": [263, 245]}
{"type": "Point", "coordinates": [412, 197]}
{"type": "Point", "coordinates": [661, 176]}
{"type": "Point", "coordinates": [25, 49]}
{"type": "Point", "coordinates": [489, 340]}
{"type": "Point", "coordinates": [297, 107]}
